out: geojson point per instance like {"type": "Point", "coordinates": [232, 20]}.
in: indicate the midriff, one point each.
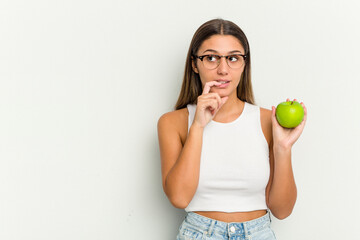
{"type": "Point", "coordinates": [233, 216]}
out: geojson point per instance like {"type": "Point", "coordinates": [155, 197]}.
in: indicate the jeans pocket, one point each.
{"type": "Point", "coordinates": [189, 232]}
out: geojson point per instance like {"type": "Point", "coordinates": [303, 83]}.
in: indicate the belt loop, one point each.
{"type": "Point", "coordinates": [245, 227]}
{"type": "Point", "coordinates": [211, 228]}
{"type": "Point", "coordinates": [228, 229]}
{"type": "Point", "coordinates": [269, 215]}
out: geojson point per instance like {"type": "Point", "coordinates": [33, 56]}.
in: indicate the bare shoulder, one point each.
{"type": "Point", "coordinates": [171, 127]}
{"type": "Point", "coordinates": [266, 125]}
{"type": "Point", "coordinates": [266, 113]}
{"type": "Point", "coordinates": [176, 120]}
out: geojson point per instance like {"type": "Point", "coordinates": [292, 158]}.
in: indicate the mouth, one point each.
{"type": "Point", "coordinates": [224, 83]}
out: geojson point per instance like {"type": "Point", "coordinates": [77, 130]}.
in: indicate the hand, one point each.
{"type": "Point", "coordinates": [208, 104]}
{"type": "Point", "coordinates": [285, 137]}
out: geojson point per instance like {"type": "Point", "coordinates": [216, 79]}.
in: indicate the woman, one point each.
{"type": "Point", "coordinates": [224, 160]}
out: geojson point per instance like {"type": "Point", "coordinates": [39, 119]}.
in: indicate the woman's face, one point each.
{"type": "Point", "coordinates": [220, 45]}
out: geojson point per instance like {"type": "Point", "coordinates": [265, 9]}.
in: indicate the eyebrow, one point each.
{"type": "Point", "coordinates": [212, 50]}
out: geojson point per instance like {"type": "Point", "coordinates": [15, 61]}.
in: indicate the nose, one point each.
{"type": "Point", "coordinates": [223, 67]}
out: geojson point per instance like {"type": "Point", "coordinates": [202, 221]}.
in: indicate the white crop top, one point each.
{"type": "Point", "coordinates": [234, 164]}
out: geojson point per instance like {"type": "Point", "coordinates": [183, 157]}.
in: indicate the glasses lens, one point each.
{"type": "Point", "coordinates": [235, 61]}
{"type": "Point", "coordinates": [211, 61]}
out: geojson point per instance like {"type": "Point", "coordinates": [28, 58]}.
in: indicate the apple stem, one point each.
{"type": "Point", "coordinates": [292, 103]}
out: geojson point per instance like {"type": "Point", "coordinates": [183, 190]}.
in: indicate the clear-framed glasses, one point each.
{"type": "Point", "coordinates": [212, 61]}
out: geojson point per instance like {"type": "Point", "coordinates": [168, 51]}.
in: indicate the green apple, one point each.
{"type": "Point", "coordinates": [289, 114]}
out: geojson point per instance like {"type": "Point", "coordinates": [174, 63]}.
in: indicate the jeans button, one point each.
{"type": "Point", "coordinates": [232, 229]}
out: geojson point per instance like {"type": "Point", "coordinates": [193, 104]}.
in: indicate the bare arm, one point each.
{"type": "Point", "coordinates": [180, 167]}
{"type": "Point", "coordinates": [282, 191]}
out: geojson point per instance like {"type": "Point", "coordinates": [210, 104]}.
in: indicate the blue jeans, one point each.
{"type": "Point", "coordinates": [196, 226]}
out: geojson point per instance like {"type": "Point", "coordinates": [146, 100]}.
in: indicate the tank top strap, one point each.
{"type": "Point", "coordinates": [191, 109]}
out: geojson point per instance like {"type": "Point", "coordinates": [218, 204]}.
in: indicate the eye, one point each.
{"type": "Point", "coordinates": [234, 58]}
{"type": "Point", "coordinates": [211, 58]}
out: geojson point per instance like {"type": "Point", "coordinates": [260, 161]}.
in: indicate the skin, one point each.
{"type": "Point", "coordinates": [222, 105]}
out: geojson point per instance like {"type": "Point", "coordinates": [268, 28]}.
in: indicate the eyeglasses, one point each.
{"type": "Point", "coordinates": [213, 61]}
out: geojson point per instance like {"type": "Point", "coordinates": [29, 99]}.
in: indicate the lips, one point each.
{"type": "Point", "coordinates": [222, 81]}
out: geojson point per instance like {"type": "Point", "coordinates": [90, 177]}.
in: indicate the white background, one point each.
{"type": "Point", "coordinates": [83, 83]}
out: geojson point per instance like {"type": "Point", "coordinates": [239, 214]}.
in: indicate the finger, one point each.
{"type": "Point", "coordinates": [213, 105]}
{"type": "Point", "coordinates": [212, 96]}
{"type": "Point", "coordinates": [305, 115]}
{"type": "Point", "coordinates": [273, 109]}
{"type": "Point", "coordinates": [223, 100]}
{"type": "Point", "coordinates": [305, 112]}
{"type": "Point", "coordinates": [208, 86]}
{"type": "Point", "coordinates": [303, 105]}
{"type": "Point", "coordinates": [273, 116]}
{"type": "Point", "coordinates": [218, 98]}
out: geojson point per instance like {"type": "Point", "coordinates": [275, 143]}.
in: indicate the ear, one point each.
{"type": "Point", "coordinates": [194, 65]}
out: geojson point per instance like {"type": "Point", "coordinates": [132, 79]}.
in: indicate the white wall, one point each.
{"type": "Point", "coordinates": [83, 83]}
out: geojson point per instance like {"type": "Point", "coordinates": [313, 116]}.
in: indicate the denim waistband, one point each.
{"type": "Point", "coordinates": [209, 225]}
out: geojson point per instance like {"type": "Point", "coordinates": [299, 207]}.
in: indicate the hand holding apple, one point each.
{"type": "Point", "coordinates": [283, 137]}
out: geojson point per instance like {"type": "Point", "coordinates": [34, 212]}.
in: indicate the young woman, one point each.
{"type": "Point", "coordinates": [224, 160]}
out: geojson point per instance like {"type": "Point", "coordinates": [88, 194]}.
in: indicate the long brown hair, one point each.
{"type": "Point", "coordinates": [191, 86]}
